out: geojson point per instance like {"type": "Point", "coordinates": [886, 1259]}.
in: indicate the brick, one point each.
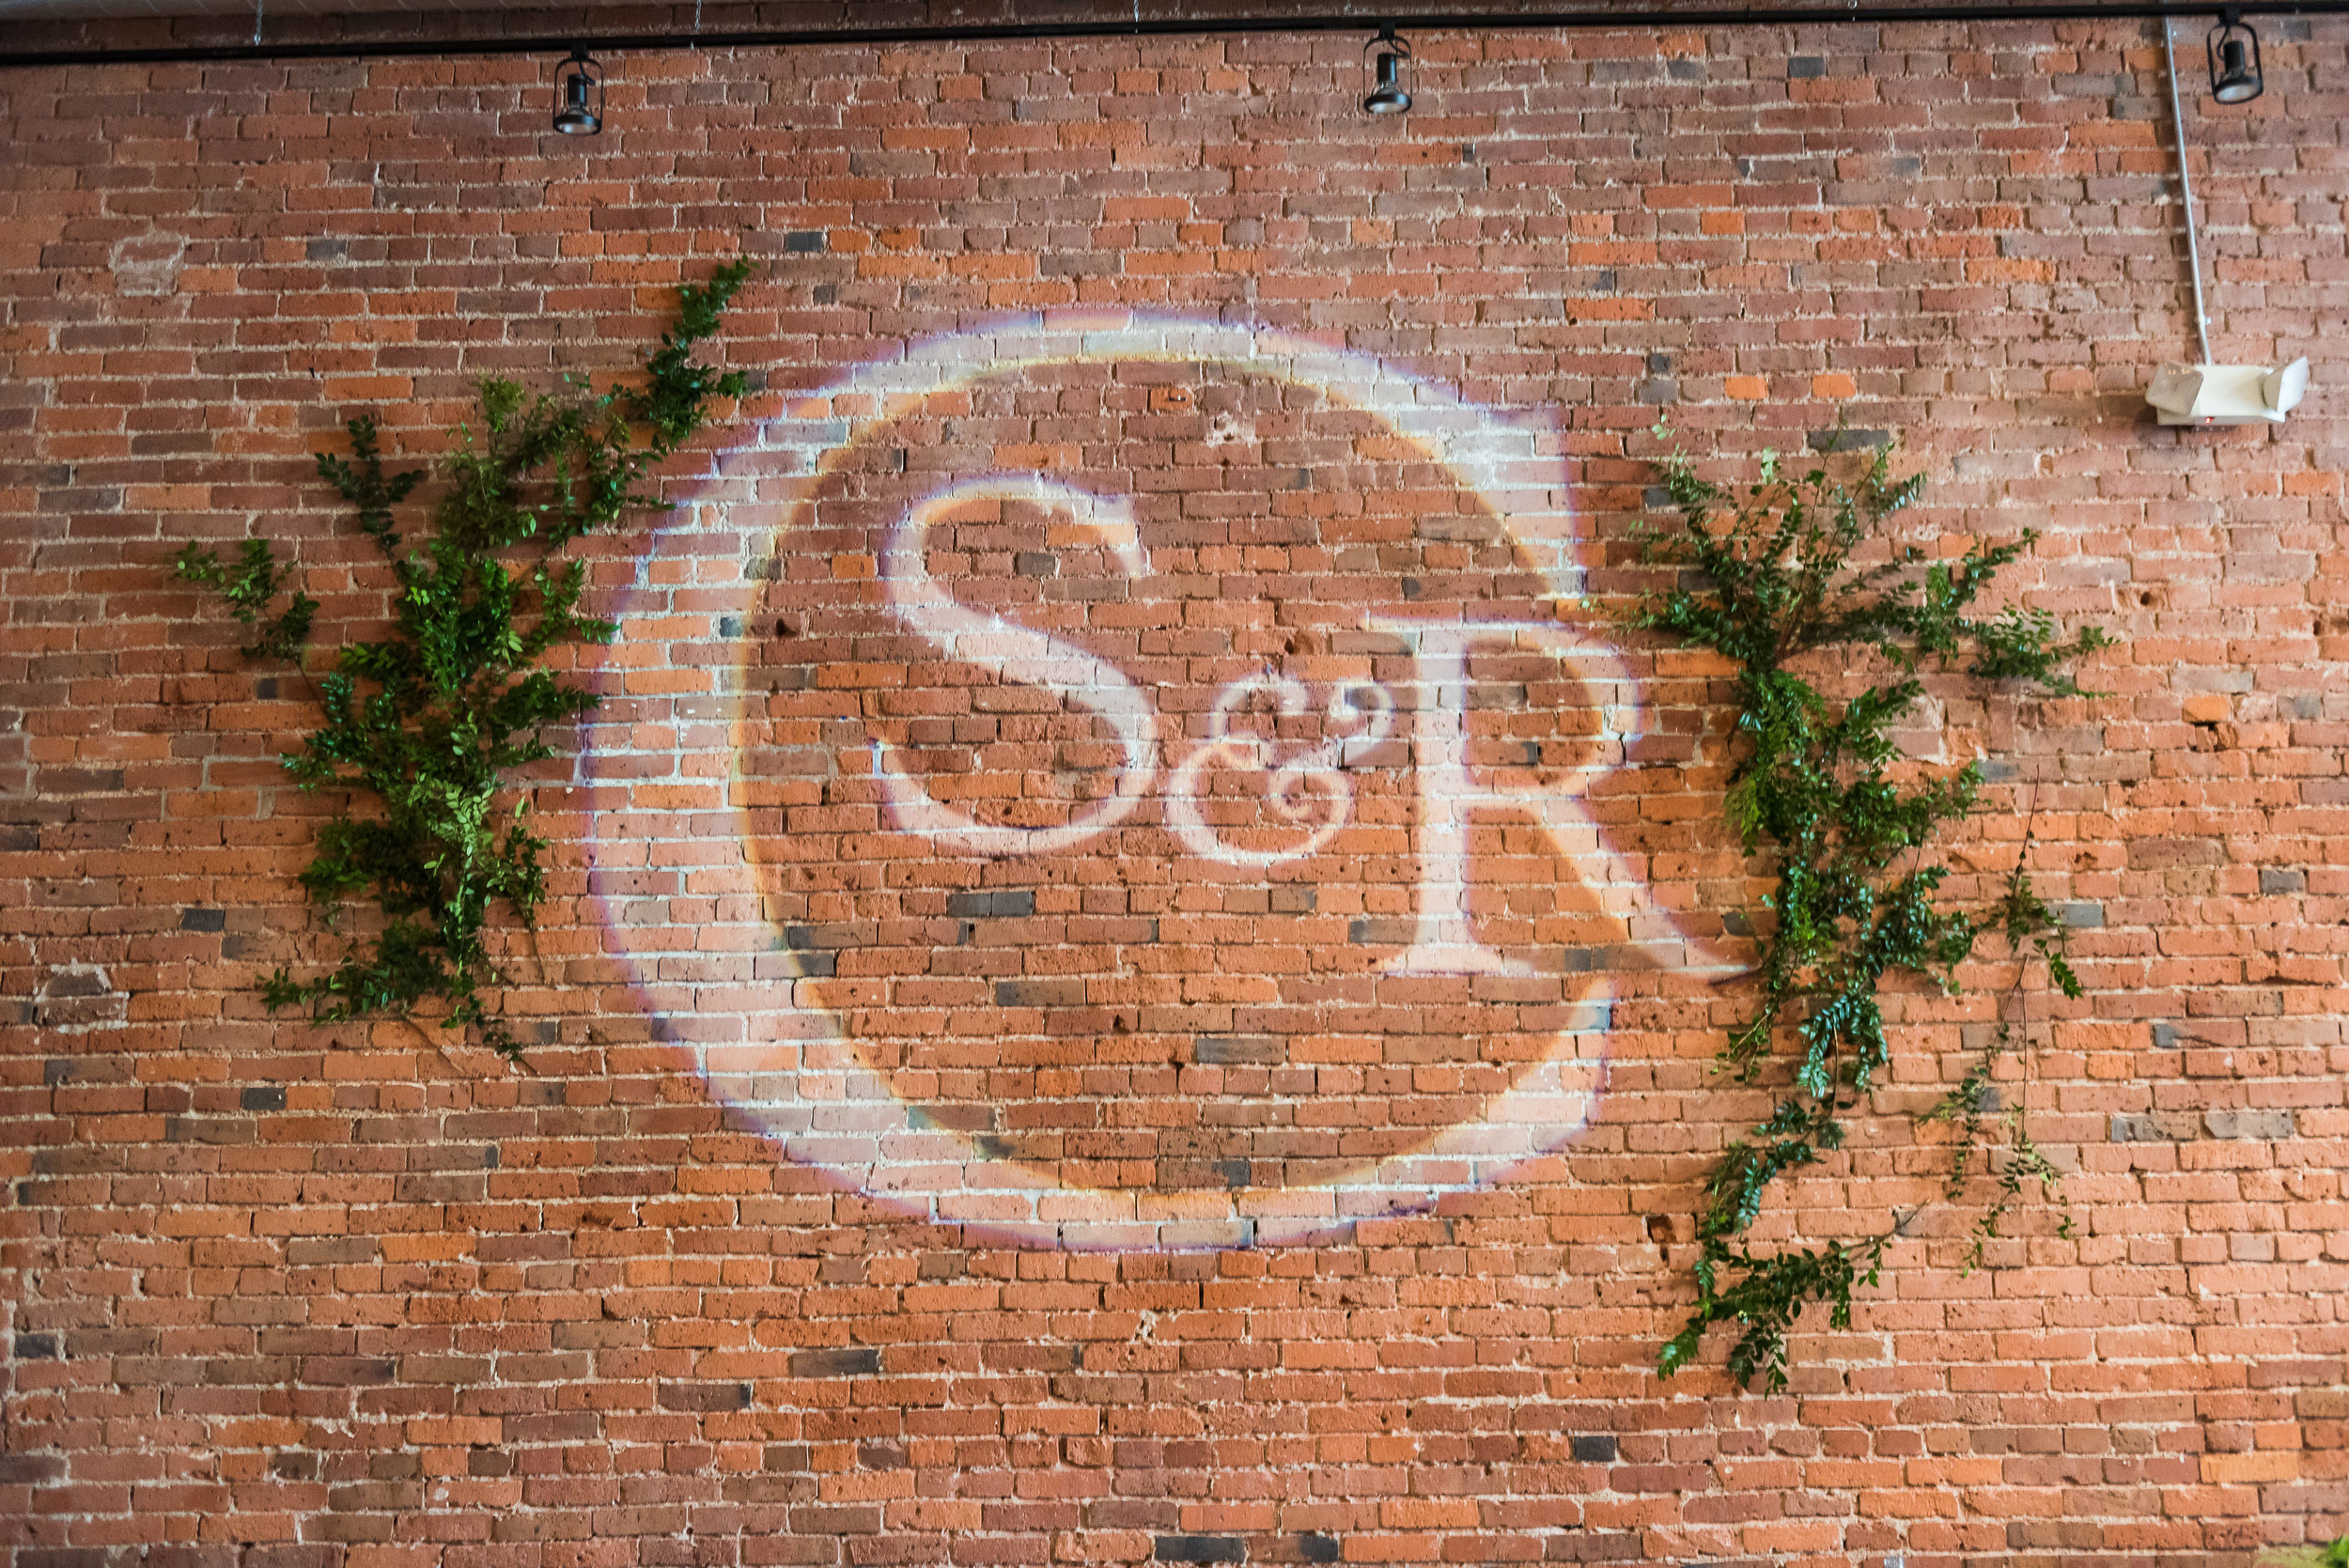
{"type": "Point", "coordinates": [2264, 1124]}
{"type": "Point", "coordinates": [1040, 993]}
{"type": "Point", "coordinates": [2151, 1129]}
{"type": "Point", "coordinates": [704, 1396]}
{"type": "Point", "coordinates": [1009, 902]}
{"type": "Point", "coordinates": [1237, 1050]}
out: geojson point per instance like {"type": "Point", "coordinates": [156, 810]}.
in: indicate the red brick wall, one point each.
{"type": "Point", "coordinates": [292, 1298]}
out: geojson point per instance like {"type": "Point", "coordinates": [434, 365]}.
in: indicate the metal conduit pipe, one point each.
{"type": "Point", "coordinates": [2186, 191]}
{"type": "Point", "coordinates": [1625, 16]}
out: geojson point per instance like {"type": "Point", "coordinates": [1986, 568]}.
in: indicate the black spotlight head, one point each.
{"type": "Point", "coordinates": [579, 96]}
{"type": "Point", "coordinates": [1387, 95]}
{"type": "Point", "coordinates": [2235, 61]}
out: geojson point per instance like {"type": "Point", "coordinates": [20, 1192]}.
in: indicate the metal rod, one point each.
{"type": "Point", "coordinates": [1630, 16]}
{"type": "Point", "coordinates": [2186, 188]}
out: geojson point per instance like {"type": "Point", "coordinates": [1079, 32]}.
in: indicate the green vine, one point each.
{"type": "Point", "coordinates": [249, 587]}
{"type": "Point", "coordinates": [2025, 921]}
{"type": "Point", "coordinates": [1768, 581]}
{"type": "Point", "coordinates": [426, 727]}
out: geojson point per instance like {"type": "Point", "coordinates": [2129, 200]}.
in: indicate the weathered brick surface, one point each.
{"type": "Point", "coordinates": [363, 1298]}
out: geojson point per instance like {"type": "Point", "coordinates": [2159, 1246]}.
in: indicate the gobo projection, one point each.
{"type": "Point", "coordinates": [1130, 782]}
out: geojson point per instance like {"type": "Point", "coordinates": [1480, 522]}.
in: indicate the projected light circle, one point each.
{"type": "Point", "coordinates": [849, 916]}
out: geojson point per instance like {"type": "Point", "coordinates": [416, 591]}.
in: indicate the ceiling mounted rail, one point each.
{"type": "Point", "coordinates": [1626, 16]}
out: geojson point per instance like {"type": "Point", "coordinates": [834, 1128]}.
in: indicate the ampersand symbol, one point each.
{"type": "Point", "coordinates": [1308, 790]}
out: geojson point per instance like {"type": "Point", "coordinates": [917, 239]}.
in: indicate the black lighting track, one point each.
{"type": "Point", "coordinates": [1431, 22]}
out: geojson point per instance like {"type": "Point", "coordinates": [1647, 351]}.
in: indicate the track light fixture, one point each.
{"type": "Point", "coordinates": [1387, 95]}
{"type": "Point", "coordinates": [2207, 395]}
{"type": "Point", "coordinates": [579, 96]}
{"type": "Point", "coordinates": [2234, 60]}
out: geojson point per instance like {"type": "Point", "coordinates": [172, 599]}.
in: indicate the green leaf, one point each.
{"type": "Point", "coordinates": [249, 587]}
{"type": "Point", "coordinates": [426, 727]}
{"type": "Point", "coordinates": [1819, 792]}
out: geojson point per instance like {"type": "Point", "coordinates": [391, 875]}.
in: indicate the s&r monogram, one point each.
{"type": "Point", "coordinates": [1305, 786]}
{"type": "Point", "coordinates": [1162, 815]}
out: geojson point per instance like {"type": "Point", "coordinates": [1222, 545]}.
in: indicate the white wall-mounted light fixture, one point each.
{"type": "Point", "coordinates": [2228, 394]}
{"type": "Point", "coordinates": [2206, 394]}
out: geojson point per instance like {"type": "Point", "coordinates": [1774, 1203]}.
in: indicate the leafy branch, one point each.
{"type": "Point", "coordinates": [1767, 579]}
{"type": "Point", "coordinates": [426, 727]}
{"type": "Point", "coordinates": [2026, 921]}
{"type": "Point", "coordinates": [249, 587]}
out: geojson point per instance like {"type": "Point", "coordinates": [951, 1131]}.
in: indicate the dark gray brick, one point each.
{"type": "Point", "coordinates": [849, 1362]}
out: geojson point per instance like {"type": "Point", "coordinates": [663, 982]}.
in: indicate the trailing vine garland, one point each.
{"type": "Point", "coordinates": [426, 727]}
{"type": "Point", "coordinates": [1854, 900]}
